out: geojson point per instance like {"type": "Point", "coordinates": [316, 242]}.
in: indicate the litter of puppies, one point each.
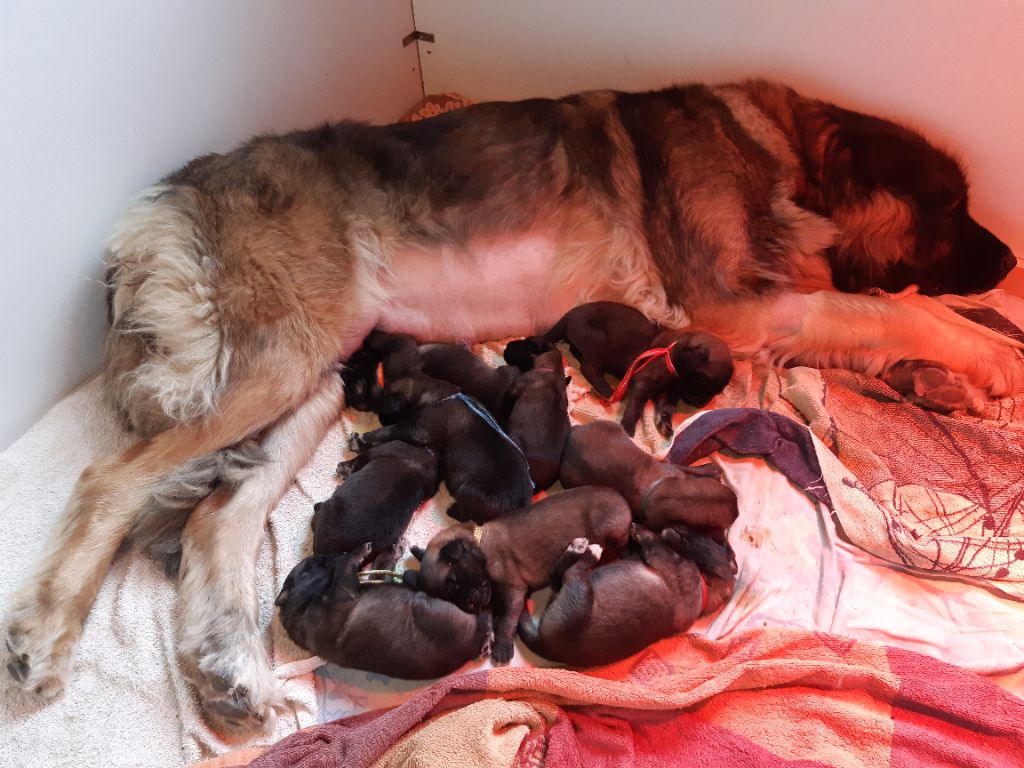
{"type": "Point", "coordinates": [633, 549]}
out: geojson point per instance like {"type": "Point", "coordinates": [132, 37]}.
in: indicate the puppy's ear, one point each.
{"type": "Point", "coordinates": [418, 553]}
{"type": "Point", "coordinates": [316, 507]}
{"type": "Point", "coordinates": [453, 550]}
{"type": "Point", "coordinates": [673, 538]}
{"type": "Point", "coordinates": [411, 579]}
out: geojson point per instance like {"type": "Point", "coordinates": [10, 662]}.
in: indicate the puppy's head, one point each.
{"type": "Point", "coordinates": [704, 365]}
{"type": "Point", "coordinates": [901, 206]}
{"type": "Point", "coordinates": [403, 397]}
{"type": "Point", "coordinates": [716, 562]}
{"type": "Point", "coordinates": [523, 352]}
{"type": "Point", "coordinates": [454, 569]}
{"type": "Point", "coordinates": [359, 375]}
{"type": "Point", "coordinates": [691, 499]}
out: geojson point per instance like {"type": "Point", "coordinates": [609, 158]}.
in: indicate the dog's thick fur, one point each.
{"type": "Point", "coordinates": [240, 281]}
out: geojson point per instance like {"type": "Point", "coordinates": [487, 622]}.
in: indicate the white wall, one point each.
{"type": "Point", "coordinates": [98, 99]}
{"type": "Point", "coordinates": [952, 68]}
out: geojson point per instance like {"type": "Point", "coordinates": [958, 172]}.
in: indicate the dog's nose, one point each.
{"type": "Point", "coordinates": [1009, 262]}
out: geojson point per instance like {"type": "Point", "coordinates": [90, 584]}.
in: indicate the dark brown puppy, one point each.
{"type": "Point", "coordinates": [389, 629]}
{"type": "Point", "coordinates": [457, 364]}
{"type": "Point", "coordinates": [383, 486]}
{"type": "Point", "coordinates": [517, 554]}
{"type": "Point", "coordinates": [702, 367]}
{"type": "Point", "coordinates": [605, 613]}
{"type": "Point", "coordinates": [535, 410]}
{"type": "Point", "coordinates": [605, 337]}
{"type": "Point", "coordinates": [484, 470]}
{"type": "Point", "coordinates": [660, 494]}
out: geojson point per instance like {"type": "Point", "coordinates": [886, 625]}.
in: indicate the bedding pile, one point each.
{"type": "Point", "coordinates": [770, 697]}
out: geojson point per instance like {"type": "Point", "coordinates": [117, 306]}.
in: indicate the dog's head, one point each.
{"type": "Point", "coordinates": [716, 562]}
{"type": "Point", "coordinates": [522, 352]}
{"type": "Point", "coordinates": [704, 365]}
{"type": "Point", "coordinates": [359, 375]}
{"type": "Point", "coordinates": [902, 210]}
{"type": "Point", "coordinates": [454, 569]}
{"type": "Point", "coordinates": [402, 397]}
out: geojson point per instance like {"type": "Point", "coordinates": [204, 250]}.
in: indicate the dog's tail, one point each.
{"type": "Point", "coordinates": [167, 354]}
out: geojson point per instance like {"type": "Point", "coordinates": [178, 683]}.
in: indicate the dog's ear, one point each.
{"type": "Point", "coordinates": [411, 579]}
{"type": "Point", "coordinates": [453, 550]}
{"type": "Point", "coordinates": [316, 507]}
{"type": "Point", "coordinates": [418, 553]}
{"type": "Point", "coordinates": [674, 538]}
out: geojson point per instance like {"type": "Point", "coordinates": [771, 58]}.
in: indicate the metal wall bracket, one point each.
{"type": "Point", "coordinates": [415, 35]}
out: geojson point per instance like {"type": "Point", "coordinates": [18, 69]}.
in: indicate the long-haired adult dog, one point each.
{"type": "Point", "coordinates": [240, 281]}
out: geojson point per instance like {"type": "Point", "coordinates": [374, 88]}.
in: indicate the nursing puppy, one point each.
{"type": "Point", "coordinates": [605, 337]}
{"type": "Point", "coordinates": [388, 629]}
{"type": "Point", "coordinates": [604, 613]}
{"type": "Point", "coordinates": [485, 472]}
{"type": "Point", "coordinates": [382, 487]}
{"type": "Point", "coordinates": [513, 555]}
{"type": "Point", "coordinates": [458, 365]}
{"type": "Point", "coordinates": [535, 410]}
{"type": "Point", "coordinates": [659, 494]}
{"type": "Point", "coordinates": [696, 367]}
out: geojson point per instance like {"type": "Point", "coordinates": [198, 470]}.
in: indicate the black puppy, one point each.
{"type": "Point", "coordinates": [692, 366]}
{"type": "Point", "coordinates": [605, 613]}
{"type": "Point", "coordinates": [535, 408]}
{"type": "Point", "coordinates": [605, 337]}
{"type": "Point", "coordinates": [516, 554]}
{"type": "Point", "coordinates": [660, 494]}
{"type": "Point", "coordinates": [382, 489]}
{"type": "Point", "coordinates": [484, 470]}
{"type": "Point", "coordinates": [388, 629]}
{"type": "Point", "coordinates": [458, 365]}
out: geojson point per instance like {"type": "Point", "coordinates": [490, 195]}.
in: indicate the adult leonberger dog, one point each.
{"type": "Point", "coordinates": [238, 283]}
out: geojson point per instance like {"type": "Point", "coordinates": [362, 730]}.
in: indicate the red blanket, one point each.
{"type": "Point", "coordinates": [767, 698]}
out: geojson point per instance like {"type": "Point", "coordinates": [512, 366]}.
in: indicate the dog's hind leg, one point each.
{"type": "Point", "coordinates": [47, 614]}
{"type": "Point", "coordinates": [218, 634]}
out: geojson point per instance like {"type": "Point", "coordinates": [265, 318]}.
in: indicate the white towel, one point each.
{"type": "Point", "coordinates": [128, 703]}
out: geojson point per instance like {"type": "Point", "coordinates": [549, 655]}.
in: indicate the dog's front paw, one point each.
{"type": "Point", "coordinates": [39, 652]}
{"type": "Point", "coordinates": [934, 387]}
{"type": "Point", "coordinates": [502, 651]}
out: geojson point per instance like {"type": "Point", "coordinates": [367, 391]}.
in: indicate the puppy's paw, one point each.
{"type": "Point", "coordinates": [355, 443]}
{"type": "Point", "coordinates": [345, 469]}
{"type": "Point", "coordinates": [578, 546]}
{"type": "Point", "coordinates": [502, 651]}
{"type": "Point", "coordinates": [663, 423]}
{"type": "Point", "coordinates": [486, 648]}
{"type": "Point", "coordinates": [934, 387]}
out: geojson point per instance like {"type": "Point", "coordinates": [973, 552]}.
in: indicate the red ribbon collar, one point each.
{"type": "Point", "coordinates": [642, 361]}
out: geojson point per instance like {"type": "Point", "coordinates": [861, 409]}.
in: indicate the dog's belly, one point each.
{"type": "Point", "coordinates": [487, 290]}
